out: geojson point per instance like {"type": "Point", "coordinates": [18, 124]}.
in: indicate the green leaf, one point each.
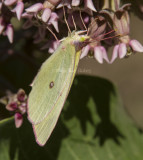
{"type": "Point", "coordinates": [93, 126]}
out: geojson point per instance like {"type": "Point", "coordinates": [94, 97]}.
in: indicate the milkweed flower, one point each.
{"type": "Point", "coordinates": [43, 13]}
{"type": "Point", "coordinates": [16, 104]}
{"type": "Point", "coordinates": [69, 3]}
{"type": "Point", "coordinates": [45, 18]}
{"type": "Point", "coordinates": [8, 8]}
{"type": "Point", "coordinates": [100, 53]}
{"type": "Point", "coordinates": [96, 33]}
{"type": "Point", "coordinates": [126, 45]}
{"type": "Point", "coordinates": [18, 7]}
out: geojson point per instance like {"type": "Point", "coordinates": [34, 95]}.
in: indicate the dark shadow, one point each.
{"type": "Point", "coordinates": [100, 90]}
{"type": "Point", "coordinates": [140, 130]}
{"type": "Point", "coordinates": [22, 141]}
{"type": "Point", "coordinates": [106, 129]}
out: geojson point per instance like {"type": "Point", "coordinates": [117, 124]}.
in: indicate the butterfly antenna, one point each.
{"type": "Point", "coordinates": [110, 37]}
{"type": "Point", "coordinates": [109, 32]}
{"type": "Point", "coordinates": [53, 33]}
{"type": "Point", "coordinates": [74, 23]}
{"type": "Point", "coordinates": [66, 19]}
{"type": "Point", "coordinates": [105, 38]}
{"type": "Point", "coordinates": [82, 21]}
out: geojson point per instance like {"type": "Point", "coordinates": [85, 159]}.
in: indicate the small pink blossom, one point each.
{"type": "Point", "coordinates": [17, 105]}
{"type": "Point", "coordinates": [100, 53]}
{"type": "Point", "coordinates": [121, 24]}
{"type": "Point", "coordinates": [54, 21]}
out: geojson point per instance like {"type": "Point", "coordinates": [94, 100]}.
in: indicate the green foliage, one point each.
{"type": "Point", "coordinates": [93, 126]}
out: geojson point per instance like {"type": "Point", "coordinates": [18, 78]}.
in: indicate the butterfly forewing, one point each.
{"type": "Point", "coordinates": [43, 130]}
{"type": "Point", "coordinates": [50, 82]}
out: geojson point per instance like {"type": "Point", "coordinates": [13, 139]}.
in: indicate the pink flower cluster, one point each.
{"type": "Point", "coordinates": [126, 45]}
{"type": "Point", "coordinates": [49, 16]}
{"type": "Point", "coordinates": [8, 9]}
{"type": "Point", "coordinates": [17, 105]}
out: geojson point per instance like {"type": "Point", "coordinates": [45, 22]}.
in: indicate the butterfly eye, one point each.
{"type": "Point", "coordinates": [51, 85]}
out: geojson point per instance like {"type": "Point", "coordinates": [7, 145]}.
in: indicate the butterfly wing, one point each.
{"type": "Point", "coordinates": [44, 129]}
{"type": "Point", "coordinates": [50, 82]}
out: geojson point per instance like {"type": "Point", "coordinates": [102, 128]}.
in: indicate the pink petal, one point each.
{"type": "Point", "coordinates": [75, 2]}
{"type": "Point", "coordinates": [51, 50]}
{"type": "Point", "coordinates": [21, 95]}
{"type": "Point", "coordinates": [46, 15]}
{"type": "Point", "coordinates": [54, 2]}
{"type": "Point", "coordinates": [98, 54]}
{"type": "Point", "coordinates": [2, 25]}
{"type": "Point", "coordinates": [1, 28]}
{"type": "Point", "coordinates": [85, 51]}
{"type": "Point", "coordinates": [19, 9]}
{"type": "Point", "coordinates": [89, 4]}
{"type": "Point", "coordinates": [64, 3]}
{"type": "Point", "coordinates": [18, 120]}
{"type": "Point", "coordinates": [9, 32]}
{"type": "Point", "coordinates": [104, 54]}
{"type": "Point", "coordinates": [54, 45]}
{"type": "Point", "coordinates": [115, 53]}
{"type": "Point", "coordinates": [23, 108]}
{"type": "Point", "coordinates": [54, 21]}
{"type": "Point", "coordinates": [35, 8]}
{"type": "Point", "coordinates": [27, 15]}
{"type": "Point", "coordinates": [122, 50]}
{"type": "Point", "coordinates": [0, 5]}
{"type": "Point", "coordinates": [9, 2]}
{"type": "Point", "coordinates": [55, 24]}
{"type": "Point", "coordinates": [136, 45]}
{"type": "Point", "coordinates": [86, 19]}
{"type": "Point", "coordinates": [12, 106]}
